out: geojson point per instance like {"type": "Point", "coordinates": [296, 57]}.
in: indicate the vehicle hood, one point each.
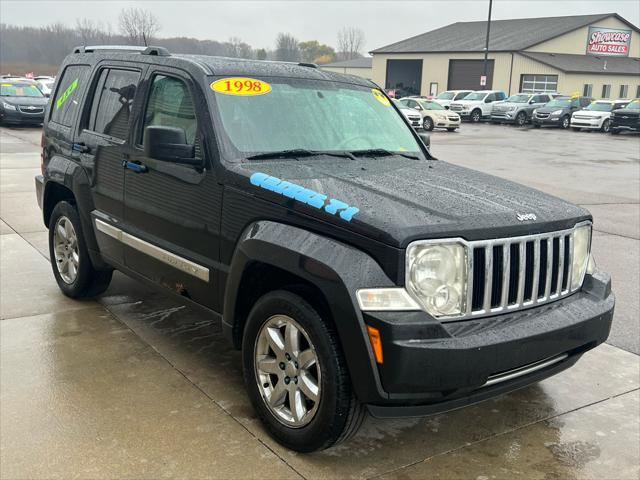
{"type": "Point", "coordinates": [628, 112]}
{"type": "Point", "coordinates": [551, 109]}
{"type": "Point", "coordinates": [36, 101]}
{"type": "Point", "coordinates": [469, 102]}
{"type": "Point", "coordinates": [505, 105]}
{"type": "Point", "coordinates": [410, 111]}
{"type": "Point", "coordinates": [400, 200]}
{"type": "Point", "coordinates": [592, 113]}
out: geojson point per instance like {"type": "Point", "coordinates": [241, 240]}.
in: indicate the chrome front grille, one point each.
{"type": "Point", "coordinates": [514, 273]}
{"type": "Point", "coordinates": [30, 109]}
{"type": "Point", "coordinates": [455, 107]}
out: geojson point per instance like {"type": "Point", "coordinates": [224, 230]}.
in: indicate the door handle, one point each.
{"type": "Point", "coordinates": [137, 167]}
{"type": "Point", "coordinates": [80, 147]}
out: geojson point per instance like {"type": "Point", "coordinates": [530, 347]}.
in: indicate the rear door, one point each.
{"type": "Point", "coordinates": [102, 143]}
{"type": "Point", "coordinates": [172, 211]}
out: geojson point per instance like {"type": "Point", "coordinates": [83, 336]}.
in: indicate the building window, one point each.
{"type": "Point", "coordinates": [433, 89]}
{"type": "Point", "coordinates": [587, 91]}
{"type": "Point", "coordinates": [606, 91]}
{"type": "Point", "coordinates": [638, 91]}
{"type": "Point", "coordinates": [538, 83]}
{"type": "Point", "coordinates": [624, 91]}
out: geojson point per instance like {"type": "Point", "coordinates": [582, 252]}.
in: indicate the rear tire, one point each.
{"type": "Point", "coordinates": [335, 414]}
{"type": "Point", "coordinates": [70, 260]}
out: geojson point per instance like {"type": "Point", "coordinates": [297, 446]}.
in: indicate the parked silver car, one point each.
{"type": "Point", "coordinates": [518, 108]}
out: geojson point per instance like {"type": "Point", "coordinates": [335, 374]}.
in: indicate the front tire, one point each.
{"type": "Point", "coordinates": [521, 119]}
{"type": "Point", "coordinates": [565, 122]}
{"type": "Point", "coordinates": [296, 375]}
{"type": "Point", "coordinates": [70, 261]}
{"type": "Point", "coordinates": [476, 116]}
{"type": "Point", "coordinates": [614, 131]}
{"type": "Point", "coordinates": [427, 124]}
{"type": "Point", "coordinates": [606, 126]}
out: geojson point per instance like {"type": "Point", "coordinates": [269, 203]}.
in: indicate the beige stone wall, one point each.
{"type": "Point", "coordinates": [576, 41]}
{"type": "Point", "coordinates": [360, 72]}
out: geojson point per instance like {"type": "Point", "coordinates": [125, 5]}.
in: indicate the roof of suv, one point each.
{"type": "Point", "coordinates": [211, 65]}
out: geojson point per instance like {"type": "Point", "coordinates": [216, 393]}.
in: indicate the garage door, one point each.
{"type": "Point", "coordinates": [465, 75]}
{"type": "Point", "coordinates": [404, 76]}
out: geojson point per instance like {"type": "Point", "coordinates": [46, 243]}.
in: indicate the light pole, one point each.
{"type": "Point", "coordinates": [486, 44]}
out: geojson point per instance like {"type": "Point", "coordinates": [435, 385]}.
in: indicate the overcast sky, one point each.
{"type": "Point", "coordinates": [258, 22]}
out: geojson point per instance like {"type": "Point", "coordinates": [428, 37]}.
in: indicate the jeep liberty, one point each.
{"type": "Point", "coordinates": [355, 271]}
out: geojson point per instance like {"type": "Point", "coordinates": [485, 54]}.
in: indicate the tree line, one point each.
{"type": "Point", "coordinates": [48, 45]}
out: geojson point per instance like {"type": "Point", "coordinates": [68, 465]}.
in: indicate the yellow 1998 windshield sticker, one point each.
{"type": "Point", "coordinates": [241, 86]}
{"type": "Point", "coordinates": [380, 97]}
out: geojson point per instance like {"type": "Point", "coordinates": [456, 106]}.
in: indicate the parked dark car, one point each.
{"type": "Point", "coordinates": [354, 270]}
{"type": "Point", "coordinates": [626, 119]}
{"type": "Point", "coordinates": [21, 102]}
{"type": "Point", "coordinates": [557, 112]}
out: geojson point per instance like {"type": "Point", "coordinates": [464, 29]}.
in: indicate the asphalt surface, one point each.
{"type": "Point", "coordinates": [136, 385]}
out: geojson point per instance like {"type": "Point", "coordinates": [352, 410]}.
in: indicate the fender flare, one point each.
{"type": "Point", "coordinates": [334, 268]}
{"type": "Point", "coordinates": [72, 176]}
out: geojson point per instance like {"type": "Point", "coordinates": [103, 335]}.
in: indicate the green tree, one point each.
{"type": "Point", "coordinates": [313, 50]}
{"type": "Point", "coordinates": [261, 54]}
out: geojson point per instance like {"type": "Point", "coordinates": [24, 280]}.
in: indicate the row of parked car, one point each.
{"type": "Point", "coordinates": [540, 109]}
{"type": "Point", "coordinates": [23, 100]}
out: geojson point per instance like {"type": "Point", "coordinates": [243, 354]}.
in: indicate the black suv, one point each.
{"type": "Point", "coordinates": [355, 271]}
{"type": "Point", "coordinates": [557, 112]}
{"type": "Point", "coordinates": [627, 118]}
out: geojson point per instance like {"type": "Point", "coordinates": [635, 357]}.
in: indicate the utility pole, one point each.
{"type": "Point", "coordinates": [486, 44]}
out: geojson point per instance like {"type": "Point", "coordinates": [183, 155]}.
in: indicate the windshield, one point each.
{"type": "Point", "coordinates": [446, 96]}
{"type": "Point", "coordinates": [559, 102]}
{"type": "Point", "coordinates": [476, 96]}
{"type": "Point", "coordinates": [599, 106]}
{"type": "Point", "coordinates": [19, 90]}
{"type": "Point", "coordinates": [635, 105]}
{"type": "Point", "coordinates": [312, 115]}
{"type": "Point", "coordinates": [518, 98]}
{"type": "Point", "coordinates": [428, 105]}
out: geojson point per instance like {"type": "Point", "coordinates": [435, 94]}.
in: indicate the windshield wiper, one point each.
{"type": "Point", "coordinates": [299, 152]}
{"type": "Point", "coordinates": [380, 152]}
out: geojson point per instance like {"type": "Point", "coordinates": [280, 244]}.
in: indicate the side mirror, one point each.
{"type": "Point", "coordinates": [169, 144]}
{"type": "Point", "coordinates": [532, 101]}
{"type": "Point", "coordinates": [418, 107]}
{"type": "Point", "coordinates": [425, 137]}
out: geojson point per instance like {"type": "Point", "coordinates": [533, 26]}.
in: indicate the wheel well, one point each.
{"type": "Point", "coordinates": [54, 194]}
{"type": "Point", "coordinates": [259, 279]}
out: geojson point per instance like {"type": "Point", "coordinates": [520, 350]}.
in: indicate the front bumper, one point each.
{"type": "Point", "coordinates": [506, 117]}
{"type": "Point", "coordinates": [553, 120]}
{"type": "Point", "coordinates": [591, 123]}
{"type": "Point", "coordinates": [430, 367]}
{"type": "Point", "coordinates": [20, 118]}
{"type": "Point", "coordinates": [625, 126]}
{"type": "Point", "coordinates": [446, 122]}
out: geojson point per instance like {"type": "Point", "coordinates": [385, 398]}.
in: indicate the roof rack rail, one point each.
{"type": "Point", "coordinates": [306, 64]}
{"type": "Point", "coordinates": [159, 51]}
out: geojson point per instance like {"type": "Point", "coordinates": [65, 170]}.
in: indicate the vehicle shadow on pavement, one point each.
{"type": "Point", "coordinates": [194, 345]}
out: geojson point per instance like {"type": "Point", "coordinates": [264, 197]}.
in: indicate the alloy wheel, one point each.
{"type": "Point", "coordinates": [287, 371]}
{"type": "Point", "coordinates": [475, 116]}
{"type": "Point", "coordinates": [606, 126]}
{"type": "Point", "coordinates": [521, 119]}
{"type": "Point", "coordinates": [65, 249]}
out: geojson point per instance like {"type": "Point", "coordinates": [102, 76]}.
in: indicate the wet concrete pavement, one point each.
{"type": "Point", "coordinates": [136, 385]}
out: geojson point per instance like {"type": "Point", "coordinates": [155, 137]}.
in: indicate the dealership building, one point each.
{"type": "Point", "coordinates": [594, 55]}
{"type": "Point", "coordinates": [356, 66]}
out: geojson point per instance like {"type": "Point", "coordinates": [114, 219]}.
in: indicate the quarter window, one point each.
{"type": "Point", "coordinates": [67, 99]}
{"type": "Point", "coordinates": [170, 104]}
{"type": "Point", "coordinates": [606, 91]}
{"type": "Point", "coordinates": [538, 83]}
{"type": "Point", "coordinates": [112, 101]}
{"type": "Point", "coordinates": [587, 91]}
{"type": "Point", "coordinates": [624, 91]}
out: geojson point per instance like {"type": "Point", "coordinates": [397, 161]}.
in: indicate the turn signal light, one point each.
{"type": "Point", "coordinates": [376, 343]}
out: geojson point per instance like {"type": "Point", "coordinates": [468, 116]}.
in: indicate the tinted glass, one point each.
{"type": "Point", "coordinates": [170, 104]}
{"type": "Point", "coordinates": [462, 95]}
{"type": "Point", "coordinates": [67, 99]}
{"type": "Point", "coordinates": [445, 96]}
{"type": "Point", "coordinates": [518, 98]}
{"type": "Point", "coordinates": [312, 114]}
{"type": "Point", "coordinates": [114, 95]}
{"type": "Point", "coordinates": [600, 107]}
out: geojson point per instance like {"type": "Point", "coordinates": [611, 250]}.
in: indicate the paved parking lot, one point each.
{"type": "Point", "coordinates": [135, 385]}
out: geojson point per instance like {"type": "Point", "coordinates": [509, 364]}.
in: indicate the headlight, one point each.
{"type": "Point", "coordinates": [436, 277]}
{"type": "Point", "coordinates": [556, 112]}
{"type": "Point", "coordinates": [581, 247]}
{"type": "Point", "coordinates": [8, 106]}
{"type": "Point", "coordinates": [535, 110]}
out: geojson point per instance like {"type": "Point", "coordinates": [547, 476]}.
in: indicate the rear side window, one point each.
{"type": "Point", "coordinates": [67, 100]}
{"type": "Point", "coordinates": [170, 104]}
{"type": "Point", "coordinates": [112, 102]}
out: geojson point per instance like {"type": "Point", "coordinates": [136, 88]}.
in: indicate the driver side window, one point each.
{"type": "Point", "coordinates": [170, 105]}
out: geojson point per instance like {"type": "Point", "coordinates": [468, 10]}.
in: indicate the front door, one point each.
{"type": "Point", "coordinates": [172, 211]}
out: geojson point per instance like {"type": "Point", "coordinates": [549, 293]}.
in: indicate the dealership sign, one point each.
{"type": "Point", "coordinates": [608, 41]}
